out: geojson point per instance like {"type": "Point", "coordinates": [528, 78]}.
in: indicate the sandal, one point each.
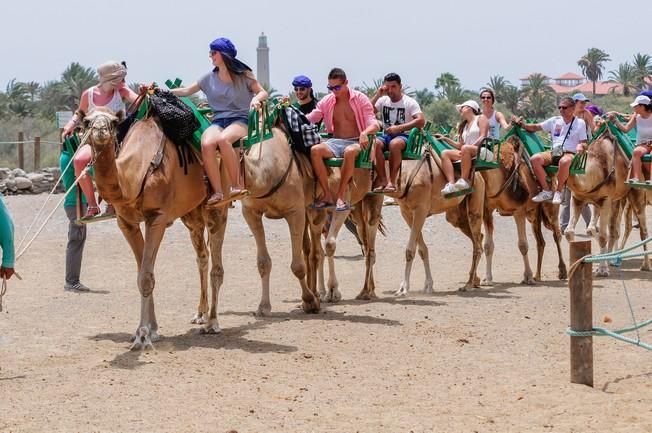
{"type": "Point", "coordinates": [322, 205]}
{"type": "Point", "coordinates": [237, 193]}
{"type": "Point", "coordinates": [390, 188]}
{"type": "Point", "coordinates": [342, 207]}
{"type": "Point", "coordinates": [91, 212]}
{"type": "Point", "coordinates": [215, 199]}
{"type": "Point", "coordinates": [379, 188]}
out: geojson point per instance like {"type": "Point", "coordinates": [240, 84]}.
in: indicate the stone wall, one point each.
{"type": "Point", "coordinates": [17, 181]}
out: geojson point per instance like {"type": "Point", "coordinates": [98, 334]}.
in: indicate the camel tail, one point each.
{"type": "Point", "coordinates": [382, 228]}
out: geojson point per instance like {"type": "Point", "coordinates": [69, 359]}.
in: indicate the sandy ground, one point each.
{"type": "Point", "coordinates": [490, 360]}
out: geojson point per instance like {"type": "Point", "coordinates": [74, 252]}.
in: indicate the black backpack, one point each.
{"type": "Point", "coordinates": [303, 134]}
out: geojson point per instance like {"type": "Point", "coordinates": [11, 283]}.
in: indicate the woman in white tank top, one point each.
{"type": "Point", "coordinates": [642, 118]}
{"type": "Point", "coordinates": [496, 118]}
{"type": "Point", "coordinates": [111, 92]}
{"type": "Point", "coordinates": [472, 131]}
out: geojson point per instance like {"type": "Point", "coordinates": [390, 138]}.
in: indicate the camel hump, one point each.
{"type": "Point", "coordinates": [138, 151]}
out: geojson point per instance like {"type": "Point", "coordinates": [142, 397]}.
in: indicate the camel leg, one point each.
{"type": "Point", "coordinates": [488, 279]}
{"type": "Point", "coordinates": [539, 239]}
{"type": "Point", "coordinates": [333, 294]}
{"type": "Point", "coordinates": [638, 206]}
{"type": "Point", "coordinates": [194, 221]}
{"type": "Point", "coordinates": [216, 220]}
{"type": "Point", "coordinates": [575, 212]}
{"type": "Point", "coordinates": [519, 219]}
{"type": "Point", "coordinates": [154, 231]}
{"type": "Point", "coordinates": [552, 218]}
{"type": "Point", "coordinates": [416, 221]}
{"type": "Point", "coordinates": [254, 220]}
{"type": "Point", "coordinates": [472, 228]}
{"type": "Point", "coordinates": [627, 213]}
{"type": "Point", "coordinates": [605, 217]}
{"type": "Point", "coordinates": [296, 223]}
{"type": "Point", "coordinates": [592, 229]}
{"type": "Point", "coordinates": [425, 257]}
{"type": "Point", "coordinates": [371, 207]}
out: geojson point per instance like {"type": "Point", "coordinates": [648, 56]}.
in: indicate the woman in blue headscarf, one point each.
{"type": "Point", "coordinates": [231, 90]}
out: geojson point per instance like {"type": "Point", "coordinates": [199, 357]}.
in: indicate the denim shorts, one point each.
{"type": "Point", "coordinates": [337, 145]}
{"type": "Point", "coordinates": [386, 138]}
{"type": "Point", "coordinates": [226, 121]}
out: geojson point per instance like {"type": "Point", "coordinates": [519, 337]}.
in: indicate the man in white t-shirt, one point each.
{"type": "Point", "coordinates": [399, 114]}
{"type": "Point", "coordinates": [568, 134]}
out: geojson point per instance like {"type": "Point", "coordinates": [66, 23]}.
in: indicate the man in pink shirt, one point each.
{"type": "Point", "coordinates": [349, 117]}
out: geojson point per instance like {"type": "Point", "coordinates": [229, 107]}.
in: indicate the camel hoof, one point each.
{"type": "Point", "coordinates": [210, 329]}
{"type": "Point", "coordinates": [366, 296]}
{"type": "Point", "coordinates": [486, 282]}
{"type": "Point", "coordinates": [199, 319]}
{"type": "Point", "coordinates": [428, 289]}
{"type": "Point", "coordinates": [402, 291]}
{"type": "Point", "coordinates": [310, 307]}
{"type": "Point", "coordinates": [602, 272]}
{"type": "Point", "coordinates": [645, 267]}
{"type": "Point", "coordinates": [592, 231]}
{"type": "Point", "coordinates": [331, 296]}
{"type": "Point", "coordinates": [528, 281]}
{"type": "Point", "coordinates": [143, 339]}
{"type": "Point", "coordinates": [570, 235]}
{"type": "Point", "coordinates": [563, 273]}
{"type": "Point", "coordinates": [263, 311]}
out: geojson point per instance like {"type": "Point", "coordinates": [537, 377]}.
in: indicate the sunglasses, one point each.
{"type": "Point", "coordinates": [212, 52]}
{"type": "Point", "coordinates": [334, 88]}
{"type": "Point", "coordinates": [486, 97]}
{"type": "Point", "coordinates": [563, 107]}
{"type": "Point", "coordinates": [300, 89]}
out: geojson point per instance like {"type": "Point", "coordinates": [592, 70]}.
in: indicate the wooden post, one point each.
{"type": "Point", "coordinates": [37, 153]}
{"type": "Point", "coordinates": [21, 150]}
{"type": "Point", "coordinates": [581, 315]}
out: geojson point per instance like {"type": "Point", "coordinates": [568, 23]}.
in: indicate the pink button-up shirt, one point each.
{"type": "Point", "coordinates": [360, 104]}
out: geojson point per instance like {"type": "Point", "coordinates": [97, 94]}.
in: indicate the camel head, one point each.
{"type": "Point", "coordinates": [102, 122]}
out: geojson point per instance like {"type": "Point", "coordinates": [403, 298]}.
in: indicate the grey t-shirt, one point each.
{"type": "Point", "coordinates": [227, 100]}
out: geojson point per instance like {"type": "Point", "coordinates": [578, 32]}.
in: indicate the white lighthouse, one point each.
{"type": "Point", "coordinates": [263, 61]}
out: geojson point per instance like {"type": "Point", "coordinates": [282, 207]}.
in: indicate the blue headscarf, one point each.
{"type": "Point", "coordinates": [228, 52]}
{"type": "Point", "coordinates": [301, 81]}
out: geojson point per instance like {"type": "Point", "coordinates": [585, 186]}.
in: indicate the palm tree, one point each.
{"type": "Point", "coordinates": [449, 87]}
{"type": "Point", "coordinates": [626, 76]}
{"type": "Point", "coordinates": [18, 100]}
{"type": "Point", "coordinates": [32, 88]}
{"type": "Point", "coordinates": [74, 80]}
{"type": "Point", "coordinates": [642, 66]}
{"type": "Point", "coordinates": [592, 65]}
{"type": "Point", "coordinates": [370, 89]}
{"type": "Point", "coordinates": [540, 98]}
{"type": "Point", "coordinates": [424, 97]}
{"type": "Point", "coordinates": [512, 98]}
{"type": "Point", "coordinates": [499, 85]}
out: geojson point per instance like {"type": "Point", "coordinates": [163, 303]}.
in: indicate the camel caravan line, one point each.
{"type": "Point", "coordinates": [155, 179]}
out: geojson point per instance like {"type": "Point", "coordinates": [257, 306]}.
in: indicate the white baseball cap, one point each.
{"type": "Point", "coordinates": [470, 103]}
{"type": "Point", "coordinates": [640, 100]}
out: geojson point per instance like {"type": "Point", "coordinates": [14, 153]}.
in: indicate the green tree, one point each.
{"type": "Point", "coordinates": [449, 87]}
{"type": "Point", "coordinates": [499, 85]}
{"type": "Point", "coordinates": [642, 66]}
{"type": "Point", "coordinates": [592, 65]}
{"type": "Point", "coordinates": [370, 89]}
{"type": "Point", "coordinates": [424, 97]}
{"type": "Point", "coordinates": [74, 80]}
{"type": "Point", "coordinates": [538, 97]}
{"type": "Point", "coordinates": [626, 76]}
{"type": "Point", "coordinates": [512, 98]}
{"type": "Point", "coordinates": [18, 99]}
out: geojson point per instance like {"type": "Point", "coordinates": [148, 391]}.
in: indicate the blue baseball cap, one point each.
{"type": "Point", "coordinates": [647, 93]}
{"type": "Point", "coordinates": [301, 81]}
{"type": "Point", "coordinates": [580, 97]}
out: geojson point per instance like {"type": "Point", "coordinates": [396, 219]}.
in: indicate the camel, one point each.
{"type": "Point", "coordinates": [281, 186]}
{"type": "Point", "coordinates": [628, 211]}
{"type": "Point", "coordinates": [156, 194]}
{"type": "Point", "coordinates": [509, 189]}
{"type": "Point", "coordinates": [366, 214]}
{"type": "Point", "coordinates": [419, 196]}
{"type": "Point", "coordinates": [603, 185]}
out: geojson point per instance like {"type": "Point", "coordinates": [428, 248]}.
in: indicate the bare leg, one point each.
{"type": "Point", "coordinates": [82, 159]}
{"type": "Point", "coordinates": [539, 171]}
{"type": "Point", "coordinates": [381, 174]}
{"type": "Point", "coordinates": [396, 148]}
{"type": "Point", "coordinates": [346, 173]}
{"type": "Point", "coordinates": [317, 155]}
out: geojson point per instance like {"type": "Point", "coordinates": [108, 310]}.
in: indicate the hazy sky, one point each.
{"type": "Point", "coordinates": [162, 39]}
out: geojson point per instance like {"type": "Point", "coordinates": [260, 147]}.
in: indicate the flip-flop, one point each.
{"type": "Point", "coordinates": [380, 188]}
{"type": "Point", "coordinates": [322, 205]}
{"type": "Point", "coordinates": [390, 189]}
{"type": "Point", "coordinates": [343, 208]}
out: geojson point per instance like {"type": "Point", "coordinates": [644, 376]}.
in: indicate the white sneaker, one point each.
{"type": "Point", "coordinates": [543, 196]}
{"type": "Point", "coordinates": [462, 184]}
{"type": "Point", "coordinates": [557, 198]}
{"type": "Point", "coordinates": [448, 189]}
{"type": "Point", "coordinates": [633, 180]}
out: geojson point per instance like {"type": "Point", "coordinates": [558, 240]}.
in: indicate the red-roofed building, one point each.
{"type": "Point", "coordinates": [570, 82]}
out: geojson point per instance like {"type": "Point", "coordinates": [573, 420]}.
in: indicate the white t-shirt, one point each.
{"type": "Point", "coordinates": [397, 113]}
{"type": "Point", "coordinates": [558, 129]}
{"type": "Point", "coordinates": [643, 129]}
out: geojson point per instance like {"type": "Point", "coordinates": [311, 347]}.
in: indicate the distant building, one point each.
{"type": "Point", "coordinates": [572, 83]}
{"type": "Point", "coordinates": [262, 68]}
